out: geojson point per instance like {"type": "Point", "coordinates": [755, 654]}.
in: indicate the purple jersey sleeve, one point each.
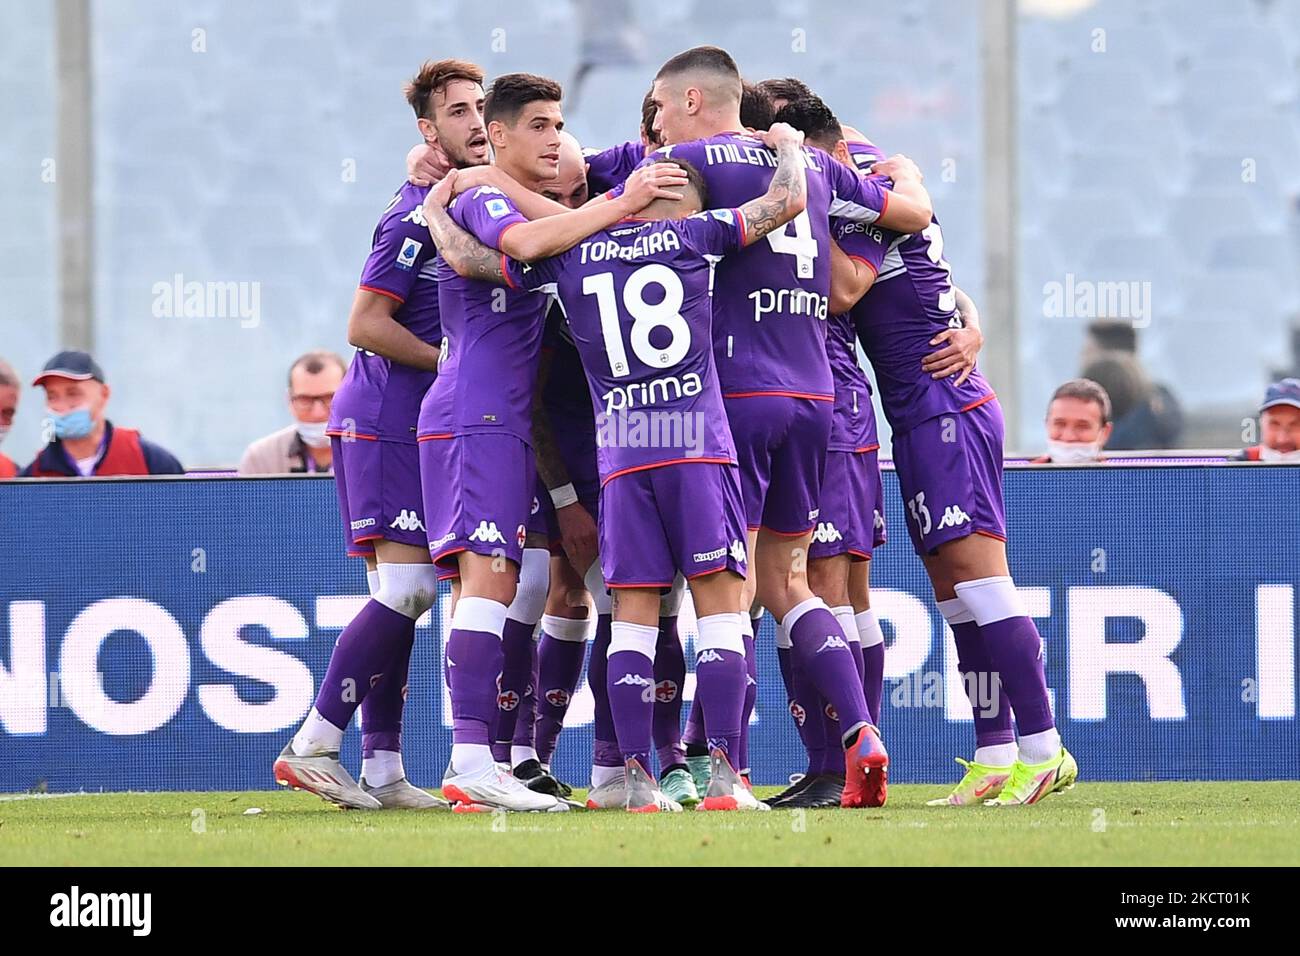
{"type": "Point", "coordinates": [863, 241]}
{"type": "Point", "coordinates": [401, 247]}
{"type": "Point", "coordinates": [715, 232]}
{"type": "Point", "coordinates": [863, 199]}
{"type": "Point", "coordinates": [486, 213]}
{"type": "Point", "coordinates": [607, 168]}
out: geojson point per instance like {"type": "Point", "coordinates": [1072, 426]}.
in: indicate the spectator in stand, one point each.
{"type": "Point", "coordinates": [1141, 418]}
{"type": "Point", "coordinates": [1161, 425]}
{"type": "Point", "coordinates": [1279, 424]}
{"type": "Point", "coordinates": [1078, 423]}
{"type": "Point", "coordinates": [84, 443]}
{"type": "Point", "coordinates": [8, 408]}
{"type": "Point", "coordinates": [302, 446]}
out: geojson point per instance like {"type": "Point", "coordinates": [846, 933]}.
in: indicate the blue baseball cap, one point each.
{"type": "Point", "coordinates": [78, 366]}
{"type": "Point", "coordinates": [1285, 392]}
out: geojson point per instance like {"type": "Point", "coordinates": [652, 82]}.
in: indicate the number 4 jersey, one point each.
{"type": "Point", "coordinates": [637, 300]}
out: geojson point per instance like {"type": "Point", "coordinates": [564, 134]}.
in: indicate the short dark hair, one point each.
{"type": "Point", "coordinates": [433, 78]}
{"type": "Point", "coordinates": [710, 59]}
{"type": "Point", "coordinates": [1113, 335]}
{"type": "Point", "coordinates": [814, 119]}
{"type": "Point", "coordinates": [785, 88]}
{"type": "Point", "coordinates": [756, 109]}
{"type": "Point", "coordinates": [1084, 389]}
{"type": "Point", "coordinates": [694, 179]}
{"type": "Point", "coordinates": [315, 361]}
{"type": "Point", "coordinates": [511, 92]}
{"type": "Point", "coordinates": [1123, 380]}
{"type": "Point", "coordinates": [648, 110]}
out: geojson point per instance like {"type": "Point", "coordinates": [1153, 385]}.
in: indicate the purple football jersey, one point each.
{"type": "Point", "coordinates": [380, 398]}
{"type": "Point", "coordinates": [637, 300]}
{"type": "Point", "coordinates": [770, 300]}
{"type": "Point", "coordinates": [853, 422]}
{"type": "Point", "coordinates": [606, 168]}
{"type": "Point", "coordinates": [910, 301]}
{"type": "Point", "coordinates": [492, 337]}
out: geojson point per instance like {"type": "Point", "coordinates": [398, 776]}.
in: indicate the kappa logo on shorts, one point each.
{"type": "Point", "coordinates": [363, 523]}
{"type": "Point", "coordinates": [737, 551]}
{"type": "Point", "coordinates": [827, 533]}
{"type": "Point", "coordinates": [832, 642]}
{"type": "Point", "coordinates": [703, 557]}
{"type": "Point", "coordinates": [449, 536]}
{"type": "Point", "coordinates": [797, 712]}
{"type": "Point", "coordinates": [666, 691]}
{"type": "Point", "coordinates": [557, 697]}
{"type": "Point", "coordinates": [508, 701]}
{"type": "Point", "coordinates": [879, 520]}
{"type": "Point", "coordinates": [708, 656]}
{"type": "Point", "coordinates": [487, 533]}
{"type": "Point", "coordinates": [952, 517]}
{"type": "Point", "coordinates": [408, 520]}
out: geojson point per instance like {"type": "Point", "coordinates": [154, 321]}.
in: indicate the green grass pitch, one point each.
{"type": "Point", "coordinates": [1153, 824]}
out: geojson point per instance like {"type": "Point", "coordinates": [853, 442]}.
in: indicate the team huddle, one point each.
{"type": "Point", "coordinates": [587, 381]}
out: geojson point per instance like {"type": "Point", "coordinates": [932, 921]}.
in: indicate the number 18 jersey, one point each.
{"type": "Point", "coordinates": [638, 303]}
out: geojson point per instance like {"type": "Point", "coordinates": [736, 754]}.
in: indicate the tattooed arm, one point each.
{"type": "Point", "coordinates": [462, 251]}
{"type": "Point", "coordinates": [787, 194]}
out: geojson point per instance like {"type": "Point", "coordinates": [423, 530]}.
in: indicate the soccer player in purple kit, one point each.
{"type": "Point", "coordinates": [476, 460]}
{"type": "Point", "coordinates": [948, 434]}
{"type": "Point", "coordinates": [671, 506]}
{"type": "Point", "coordinates": [395, 326]}
{"type": "Point", "coordinates": [769, 343]}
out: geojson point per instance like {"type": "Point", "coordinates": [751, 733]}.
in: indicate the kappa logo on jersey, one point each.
{"type": "Point", "coordinates": [521, 535]}
{"type": "Point", "coordinates": [666, 691]}
{"type": "Point", "coordinates": [708, 656]}
{"type": "Point", "coordinates": [832, 641]}
{"type": "Point", "coordinates": [737, 551]}
{"type": "Point", "coordinates": [797, 712]}
{"type": "Point", "coordinates": [416, 216]}
{"type": "Point", "coordinates": [487, 532]}
{"type": "Point", "coordinates": [952, 517]}
{"type": "Point", "coordinates": [827, 533]}
{"type": "Point", "coordinates": [408, 521]}
{"type": "Point", "coordinates": [557, 697]}
{"type": "Point", "coordinates": [508, 700]}
{"type": "Point", "coordinates": [406, 256]}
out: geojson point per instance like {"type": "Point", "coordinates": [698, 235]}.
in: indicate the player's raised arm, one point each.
{"type": "Point", "coordinates": [787, 194]}
{"type": "Point", "coordinates": [851, 278]}
{"type": "Point", "coordinates": [530, 241]}
{"type": "Point", "coordinates": [909, 208]}
{"type": "Point", "coordinates": [461, 251]}
{"type": "Point", "coordinates": [532, 205]}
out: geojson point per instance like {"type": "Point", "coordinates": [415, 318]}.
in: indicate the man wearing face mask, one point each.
{"type": "Point", "coordinates": [1078, 424]}
{"type": "Point", "coordinates": [302, 446]}
{"type": "Point", "coordinates": [8, 407]}
{"type": "Point", "coordinates": [85, 443]}
{"type": "Point", "coordinates": [1279, 425]}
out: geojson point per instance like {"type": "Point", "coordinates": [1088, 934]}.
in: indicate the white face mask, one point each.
{"type": "Point", "coordinates": [1272, 454]}
{"type": "Point", "coordinates": [313, 434]}
{"type": "Point", "coordinates": [1073, 452]}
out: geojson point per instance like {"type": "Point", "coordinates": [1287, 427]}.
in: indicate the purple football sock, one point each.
{"type": "Point", "coordinates": [832, 757]}
{"type": "Point", "coordinates": [516, 668]}
{"type": "Point", "coordinates": [1015, 650]}
{"type": "Point", "coordinates": [630, 680]}
{"type": "Point", "coordinates": [477, 656]}
{"type": "Point", "coordinates": [526, 723]}
{"type": "Point", "coordinates": [597, 670]}
{"type": "Point", "coordinates": [720, 689]}
{"type": "Point", "coordinates": [670, 675]}
{"type": "Point", "coordinates": [873, 679]}
{"type": "Point", "coordinates": [368, 647]}
{"type": "Point", "coordinates": [751, 695]}
{"type": "Point", "coordinates": [806, 709]}
{"type": "Point", "coordinates": [559, 668]}
{"type": "Point", "coordinates": [987, 698]}
{"type": "Point", "coordinates": [693, 735]}
{"type": "Point", "coordinates": [381, 710]}
{"type": "Point", "coordinates": [822, 651]}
